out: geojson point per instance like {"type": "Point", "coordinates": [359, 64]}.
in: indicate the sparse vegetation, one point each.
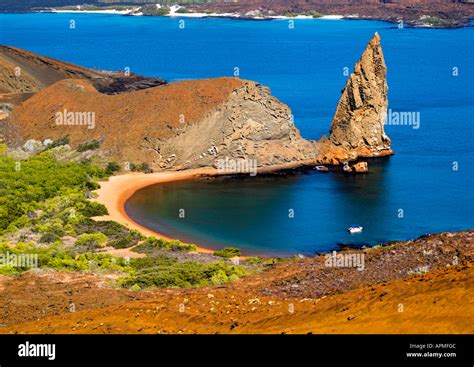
{"type": "Point", "coordinates": [141, 167]}
{"type": "Point", "coordinates": [130, 239]}
{"type": "Point", "coordinates": [163, 271]}
{"type": "Point", "coordinates": [88, 145]}
{"type": "Point", "coordinates": [94, 7]}
{"type": "Point", "coordinates": [25, 185]}
{"type": "Point", "coordinates": [56, 257]}
{"type": "Point", "coordinates": [158, 271]}
{"type": "Point", "coordinates": [111, 168]}
{"type": "Point", "coordinates": [59, 142]}
{"type": "Point", "coordinates": [264, 261]}
{"type": "Point", "coordinates": [228, 252]}
{"type": "Point", "coordinates": [314, 14]}
{"type": "Point", "coordinates": [91, 241]}
{"type": "Point", "coordinates": [152, 9]}
{"type": "Point", "coordinates": [434, 20]}
{"type": "Point", "coordinates": [6, 107]}
{"type": "Point", "coordinates": [48, 200]}
{"type": "Point", "coordinates": [152, 243]}
{"type": "Point", "coordinates": [183, 11]}
{"type": "Point", "coordinates": [45, 213]}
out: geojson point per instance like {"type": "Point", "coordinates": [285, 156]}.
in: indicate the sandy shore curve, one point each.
{"type": "Point", "coordinates": [115, 192]}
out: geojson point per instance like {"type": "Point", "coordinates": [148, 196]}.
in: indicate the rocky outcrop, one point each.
{"type": "Point", "coordinates": [250, 125]}
{"type": "Point", "coordinates": [202, 123]}
{"type": "Point", "coordinates": [358, 123]}
{"type": "Point", "coordinates": [183, 125]}
{"type": "Point", "coordinates": [361, 167]}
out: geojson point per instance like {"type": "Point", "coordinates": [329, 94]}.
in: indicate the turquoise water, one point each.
{"type": "Point", "coordinates": [304, 68]}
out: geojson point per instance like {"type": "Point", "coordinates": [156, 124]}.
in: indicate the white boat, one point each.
{"type": "Point", "coordinates": [355, 229]}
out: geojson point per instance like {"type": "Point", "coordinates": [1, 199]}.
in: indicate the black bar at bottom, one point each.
{"type": "Point", "coordinates": [156, 350]}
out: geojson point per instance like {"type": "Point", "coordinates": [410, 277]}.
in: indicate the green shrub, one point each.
{"type": "Point", "coordinates": [263, 261]}
{"type": "Point", "coordinates": [91, 208]}
{"type": "Point", "coordinates": [151, 9]}
{"type": "Point", "coordinates": [92, 241]}
{"type": "Point", "coordinates": [51, 226]}
{"type": "Point", "coordinates": [130, 239]}
{"type": "Point", "coordinates": [141, 167]}
{"type": "Point", "coordinates": [434, 20]}
{"type": "Point", "coordinates": [25, 187]}
{"type": "Point", "coordinates": [228, 252]}
{"type": "Point", "coordinates": [111, 168]}
{"type": "Point", "coordinates": [55, 257]}
{"type": "Point", "coordinates": [165, 272]}
{"type": "Point", "coordinates": [135, 287]}
{"type": "Point", "coordinates": [49, 238]}
{"type": "Point", "coordinates": [88, 145]}
{"type": "Point", "coordinates": [314, 14]}
{"type": "Point", "coordinates": [59, 142]}
{"type": "Point", "coordinates": [111, 229]}
{"type": "Point", "coordinates": [152, 243]}
{"type": "Point", "coordinates": [8, 270]}
{"type": "Point", "coordinates": [119, 236]}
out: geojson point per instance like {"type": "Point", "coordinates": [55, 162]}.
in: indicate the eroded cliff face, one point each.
{"type": "Point", "coordinates": [358, 123]}
{"type": "Point", "coordinates": [250, 125]}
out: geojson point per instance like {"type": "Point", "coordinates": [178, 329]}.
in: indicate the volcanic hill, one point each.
{"type": "Point", "coordinates": [196, 123]}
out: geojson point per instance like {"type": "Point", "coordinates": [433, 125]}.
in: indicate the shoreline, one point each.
{"type": "Point", "coordinates": [175, 14]}
{"type": "Point", "coordinates": [115, 192]}
{"type": "Point", "coordinates": [134, 11]}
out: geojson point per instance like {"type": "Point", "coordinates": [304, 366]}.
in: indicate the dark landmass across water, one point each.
{"type": "Point", "coordinates": [438, 13]}
{"type": "Point", "coordinates": [428, 13]}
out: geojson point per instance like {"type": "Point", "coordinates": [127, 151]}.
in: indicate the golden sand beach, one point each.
{"type": "Point", "coordinates": [115, 192]}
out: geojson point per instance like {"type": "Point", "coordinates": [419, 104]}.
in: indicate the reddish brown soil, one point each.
{"type": "Point", "coordinates": [23, 72]}
{"type": "Point", "coordinates": [386, 300]}
{"type": "Point", "coordinates": [121, 120]}
{"type": "Point", "coordinates": [439, 302]}
{"type": "Point", "coordinates": [36, 295]}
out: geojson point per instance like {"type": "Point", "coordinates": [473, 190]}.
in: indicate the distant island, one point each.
{"type": "Point", "coordinates": [428, 13]}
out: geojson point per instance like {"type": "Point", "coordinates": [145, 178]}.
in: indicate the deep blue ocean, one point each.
{"type": "Point", "coordinates": [430, 72]}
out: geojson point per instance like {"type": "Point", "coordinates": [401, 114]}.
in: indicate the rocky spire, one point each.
{"type": "Point", "coordinates": [358, 123]}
